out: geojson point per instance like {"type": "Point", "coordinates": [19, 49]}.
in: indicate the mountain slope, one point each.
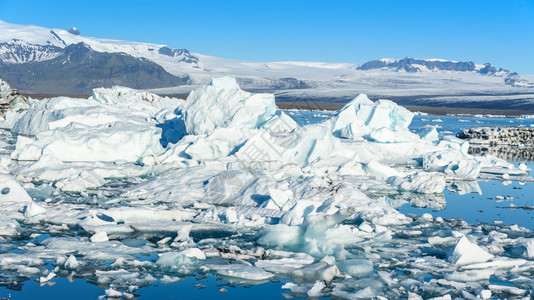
{"type": "Point", "coordinates": [47, 39]}
{"type": "Point", "coordinates": [79, 69]}
{"type": "Point", "coordinates": [413, 65]}
{"type": "Point", "coordinates": [34, 59]}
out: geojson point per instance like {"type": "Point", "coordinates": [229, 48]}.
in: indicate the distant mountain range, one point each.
{"type": "Point", "coordinates": [413, 65]}
{"type": "Point", "coordinates": [54, 61]}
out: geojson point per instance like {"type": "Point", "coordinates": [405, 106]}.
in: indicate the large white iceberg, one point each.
{"type": "Point", "coordinates": [382, 121]}
{"type": "Point", "coordinates": [117, 124]}
{"type": "Point", "coordinates": [223, 104]}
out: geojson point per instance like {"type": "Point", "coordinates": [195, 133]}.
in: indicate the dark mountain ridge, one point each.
{"type": "Point", "coordinates": [78, 69]}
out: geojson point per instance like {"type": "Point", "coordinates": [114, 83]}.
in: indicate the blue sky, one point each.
{"type": "Point", "coordinates": [500, 32]}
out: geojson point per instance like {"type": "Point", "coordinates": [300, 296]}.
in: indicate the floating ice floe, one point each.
{"type": "Point", "coordinates": [134, 189]}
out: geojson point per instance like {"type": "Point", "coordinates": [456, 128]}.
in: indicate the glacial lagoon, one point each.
{"type": "Point", "coordinates": [475, 206]}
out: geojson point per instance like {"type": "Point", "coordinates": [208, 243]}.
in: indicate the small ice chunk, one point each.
{"type": "Point", "coordinates": [242, 271]}
{"type": "Point", "coordinates": [512, 290]}
{"type": "Point", "coordinates": [530, 249]}
{"type": "Point", "coordinates": [316, 289]}
{"type": "Point", "coordinates": [377, 169]}
{"type": "Point", "coordinates": [98, 237]}
{"type": "Point", "coordinates": [80, 182]}
{"type": "Point", "coordinates": [193, 252]}
{"type": "Point", "coordinates": [356, 267]}
{"type": "Point", "coordinates": [112, 293]}
{"type": "Point", "coordinates": [444, 297]}
{"type": "Point", "coordinates": [427, 217]}
{"type": "Point", "coordinates": [33, 209]}
{"type": "Point", "coordinates": [282, 123]}
{"type": "Point", "coordinates": [317, 271]}
{"type": "Point", "coordinates": [419, 182]}
{"type": "Point", "coordinates": [279, 197]}
{"type": "Point", "coordinates": [430, 134]}
{"type": "Point", "coordinates": [365, 227]}
{"type": "Point", "coordinates": [8, 226]}
{"type": "Point", "coordinates": [11, 190]}
{"type": "Point", "coordinates": [465, 252]}
{"type": "Point", "coordinates": [176, 259]}
{"type": "Point", "coordinates": [281, 235]}
{"type": "Point", "coordinates": [72, 263]}
{"type": "Point", "coordinates": [471, 275]}
{"type": "Point", "coordinates": [414, 296]}
{"type": "Point", "coordinates": [168, 279]}
{"type": "Point", "coordinates": [285, 265]}
{"type": "Point", "coordinates": [48, 277]}
{"type": "Point", "coordinates": [484, 294]}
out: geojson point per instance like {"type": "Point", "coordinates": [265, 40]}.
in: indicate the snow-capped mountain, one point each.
{"type": "Point", "coordinates": [33, 43]}
{"type": "Point", "coordinates": [41, 60]}
{"type": "Point", "coordinates": [38, 60]}
{"type": "Point", "coordinates": [413, 65]}
{"type": "Point", "coordinates": [19, 52]}
{"type": "Point", "coordinates": [79, 69]}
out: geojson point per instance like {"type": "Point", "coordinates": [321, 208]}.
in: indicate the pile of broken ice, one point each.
{"type": "Point", "coordinates": [224, 183]}
{"type": "Point", "coordinates": [10, 100]}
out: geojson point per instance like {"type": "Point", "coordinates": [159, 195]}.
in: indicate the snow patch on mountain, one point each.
{"type": "Point", "coordinates": [11, 34]}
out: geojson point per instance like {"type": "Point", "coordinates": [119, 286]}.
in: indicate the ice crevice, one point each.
{"type": "Point", "coordinates": [223, 183]}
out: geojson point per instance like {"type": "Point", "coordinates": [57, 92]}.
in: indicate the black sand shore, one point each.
{"type": "Point", "coordinates": [332, 106]}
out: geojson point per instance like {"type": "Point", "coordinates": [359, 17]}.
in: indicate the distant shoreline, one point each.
{"type": "Point", "coordinates": [333, 106]}
{"type": "Point", "coordinates": [440, 111]}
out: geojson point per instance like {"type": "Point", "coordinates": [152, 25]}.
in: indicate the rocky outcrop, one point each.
{"type": "Point", "coordinates": [516, 136]}
{"type": "Point", "coordinates": [413, 65]}
{"type": "Point", "coordinates": [73, 30]}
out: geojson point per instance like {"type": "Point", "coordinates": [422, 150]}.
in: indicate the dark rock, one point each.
{"type": "Point", "coordinates": [487, 135]}
{"type": "Point", "coordinates": [73, 30]}
{"type": "Point", "coordinates": [187, 57]}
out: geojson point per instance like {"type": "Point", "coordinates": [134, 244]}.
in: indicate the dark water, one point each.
{"type": "Point", "coordinates": [187, 288]}
{"type": "Point", "coordinates": [517, 207]}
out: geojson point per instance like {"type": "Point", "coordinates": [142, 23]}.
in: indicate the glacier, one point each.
{"type": "Point", "coordinates": [223, 183]}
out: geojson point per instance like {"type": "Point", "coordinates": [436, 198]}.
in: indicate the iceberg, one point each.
{"type": "Point", "coordinates": [117, 124]}
{"type": "Point", "coordinates": [466, 252]}
{"type": "Point", "coordinates": [8, 226]}
{"type": "Point", "coordinates": [157, 189]}
{"type": "Point", "coordinates": [222, 104]}
{"type": "Point", "coordinates": [11, 191]}
{"type": "Point", "coordinates": [11, 100]}
{"type": "Point", "coordinates": [383, 119]}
